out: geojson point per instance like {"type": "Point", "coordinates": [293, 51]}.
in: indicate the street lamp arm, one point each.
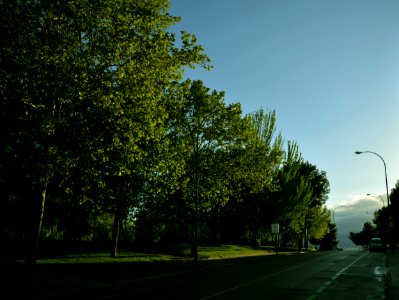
{"type": "Point", "coordinates": [340, 206]}
{"type": "Point", "coordinates": [382, 199]}
{"type": "Point", "coordinates": [360, 152]}
{"type": "Point", "coordinates": [385, 169]}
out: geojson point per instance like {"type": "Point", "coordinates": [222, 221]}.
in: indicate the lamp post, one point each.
{"type": "Point", "coordinates": [385, 168]}
{"type": "Point", "coordinates": [383, 203]}
{"type": "Point", "coordinates": [390, 220]}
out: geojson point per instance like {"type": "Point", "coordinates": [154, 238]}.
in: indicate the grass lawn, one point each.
{"type": "Point", "coordinates": [72, 272]}
{"type": "Point", "coordinates": [176, 253]}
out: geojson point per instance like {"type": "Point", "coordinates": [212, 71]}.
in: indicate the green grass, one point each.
{"type": "Point", "coordinates": [71, 272]}
{"type": "Point", "coordinates": [96, 258]}
{"type": "Point", "coordinates": [178, 252]}
{"type": "Point", "coordinates": [228, 251]}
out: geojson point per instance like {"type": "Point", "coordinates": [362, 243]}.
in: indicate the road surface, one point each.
{"type": "Point", "coordinates": [324, 275]}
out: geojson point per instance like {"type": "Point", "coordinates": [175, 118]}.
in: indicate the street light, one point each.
{"type": "Point", "coordinates": [385, 168]}
{"type": "Point", "coordinates": [390, 220]}
{"type": "Point", "coordinates": [382, 199]}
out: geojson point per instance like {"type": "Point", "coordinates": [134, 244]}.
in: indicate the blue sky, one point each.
{"type": "Point", "coordinates": [330, 70]}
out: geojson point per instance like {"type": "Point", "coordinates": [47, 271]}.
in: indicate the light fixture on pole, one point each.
{"type": "Point", "coordinates": [385, 168]}
{"type": "Point", "coordinates": [390, 220]}
{"type": "Point", "coordinates": [382, 199]}
{"type": "Point", "coordinates": [341, 206]}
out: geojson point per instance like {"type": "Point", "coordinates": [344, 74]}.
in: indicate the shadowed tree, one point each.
{"type": "Point", "coordinates": [83, 84]}
{"type": "Point", "coordinates": [394, 197]}
{"type": "Point", "coordinates": [363, 237]}
{"type": "Point", "coordinates": [381, 221]}
{"type": "Point", "coordinates": [329, 240]}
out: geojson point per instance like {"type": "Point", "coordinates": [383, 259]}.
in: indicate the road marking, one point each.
{"type": "Point", "coordinates": [322, 288]}
{"type": "Point", "coordinates": [253, 281]}
{"type": "Point", "coordinates": [328, 283]}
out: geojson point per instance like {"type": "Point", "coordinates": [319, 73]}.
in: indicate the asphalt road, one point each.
{"type": "Point", "coordinates": [326, 275]}
{"type": "Point", "coordinates": [319, 275]}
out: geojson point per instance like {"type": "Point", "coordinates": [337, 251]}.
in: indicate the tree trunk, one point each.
{"type": "Point", "coordinates": [215, 228]}
{"type": "Point", "coordinates": [31, 258]}
{"type": "Point", "coordinates": [115, 233]}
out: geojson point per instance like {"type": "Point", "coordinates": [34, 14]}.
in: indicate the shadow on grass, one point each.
{"type": "Point", "coordinates": [60, 276]}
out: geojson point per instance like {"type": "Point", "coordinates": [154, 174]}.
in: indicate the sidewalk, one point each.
{"type": "Point", "coordinates": [393, 277]}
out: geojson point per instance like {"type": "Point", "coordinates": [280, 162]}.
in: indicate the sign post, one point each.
{"type": "Point", "coordinates": [276, 231]}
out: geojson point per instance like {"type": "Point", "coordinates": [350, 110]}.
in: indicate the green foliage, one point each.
{"type": "Point", "coordinates": [98, 123]}
{"type": "Point", "coordinates": [363, 237]}
{"type": "Point", "coordinates": [262, 153]}
{"type": "Point", "coordinates": [295, 192]}
{"type": "Point", "coordinates": [83, 84]}
{"type": "Point", "coordinates": [329, 240]}
{"type": "Point", "coordinates": [381, 222]}
{"type": "Point", "coordinates": [206, 131]}
{"type": "Point", "coordinates": [318, 219]}
{"type": "Point", "coordinates": [394, 213]}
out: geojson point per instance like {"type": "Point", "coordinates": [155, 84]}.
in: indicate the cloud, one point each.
{"type": "Point", "coordinates": [350, 215]}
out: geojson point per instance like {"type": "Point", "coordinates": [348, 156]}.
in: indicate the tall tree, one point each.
{"type": "Point", "coordinates": [263, 152]}
{"type": "Point", "coordinates": [259, 163]}
{"type": "Point", "coordinates": [317, 216]}
{"type": "Point", "coordinates": [319, 181]}
{"type": "Point", "coordinates": [36, 81]}
{"type": "Point", "coordinates": [295, 192]}
{"type": "Point", "coordinates": [207, 130]}
{"type": "Point", "coordinates": [83, 84]}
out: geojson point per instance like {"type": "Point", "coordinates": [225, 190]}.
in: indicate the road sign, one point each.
{"type": "Point", "coordinates": [275, 228]}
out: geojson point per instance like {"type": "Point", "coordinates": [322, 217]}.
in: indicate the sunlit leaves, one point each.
{"type": "Point", "coordinates": [208, 130]}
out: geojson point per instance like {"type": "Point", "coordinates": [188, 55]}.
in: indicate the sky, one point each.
{"type": "Point", "coordinates": [330, 71]}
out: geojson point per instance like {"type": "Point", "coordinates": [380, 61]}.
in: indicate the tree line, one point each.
{"type": "Point", "coordinates": [104, 139]}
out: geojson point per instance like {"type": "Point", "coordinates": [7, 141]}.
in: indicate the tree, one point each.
{"type": "Point", "coordinates": [381, 222]}
{"type": "Point", "coordinates": [207, 131]}
{"type": "Point", "coordinates": [138, 65]}
{"type": "Point", "coordinates": [294, 194]}
{"type": "Point", "coordinates": [394, 212]}
{"type": "Point", "coordinates": [363, 237]}
{"type": "Point", "coordinates": [318, 219]}
{"type": "Point", "coordinates": [319, 181]}
{"type": "Point", "coordinates": [317, 216]}
{"type": "Point", "coordinates": [256, 168]}
{"type": "Point", "coordinates": [83, 85]}
{"type": "Point", "coordinates": [263, 152]}
{"type": "Point", "coordinates": [329, 240]}
{"type": "Point", "coordinates": [35, 87]}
